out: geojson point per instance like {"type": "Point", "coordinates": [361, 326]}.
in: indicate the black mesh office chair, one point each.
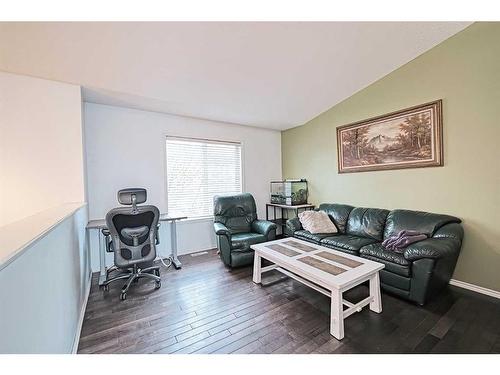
{"type": "Point", "coordinates": [134, 236]}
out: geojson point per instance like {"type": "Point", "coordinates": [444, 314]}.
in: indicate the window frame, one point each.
{"type": "Point", "coordinates": [166, 136]}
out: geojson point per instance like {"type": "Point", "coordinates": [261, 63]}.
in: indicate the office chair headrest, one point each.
{"type": "Point", "coordinates": [125, 196]}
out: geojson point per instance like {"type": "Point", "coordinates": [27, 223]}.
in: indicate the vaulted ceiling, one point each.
{"type": "Point", "coordinates": [275, 75]}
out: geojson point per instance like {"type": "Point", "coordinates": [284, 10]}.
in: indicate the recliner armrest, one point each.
{"type": "Point", "coordinates": [221, 230]}
{"type": "Point", "coordinates": [433, 248]}
{"type": "Point", "coordinates": [263, 227]}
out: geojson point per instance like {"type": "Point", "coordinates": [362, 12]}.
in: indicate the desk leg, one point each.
{"type": "Point", "coordinates": [102, 258]}
{"type": "Point", "coordinates": [173, 238]}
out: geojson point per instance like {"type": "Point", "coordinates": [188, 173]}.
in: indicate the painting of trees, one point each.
{"type": "Point", "coordinates": [416, 131]}
{"type": "Point", "coordinates": [403, 139]}
{"type": "Point", "coordinates": [356, 141]}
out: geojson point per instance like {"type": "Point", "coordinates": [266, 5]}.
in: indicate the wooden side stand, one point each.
{"type": "Point", "coordinates": [283, 211]}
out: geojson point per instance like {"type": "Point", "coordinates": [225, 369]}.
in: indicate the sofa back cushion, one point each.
{"type": "Point", "coordinates": [367, 222]}
{"type": "Point", "coordinates": [339, 213]}
{"type": "Point", "coordinates": [423, 222]}
{"type": "Point", "coordinates": [236, 212]}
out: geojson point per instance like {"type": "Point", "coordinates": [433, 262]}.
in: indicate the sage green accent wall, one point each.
{"type": "Point", "coordinates": [465, 72]}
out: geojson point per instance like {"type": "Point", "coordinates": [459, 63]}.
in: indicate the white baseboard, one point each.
{"type": "Point", "coordinates": [82, 315]}
{"type": "Point", "coordinates": [475, 288]}
{"type": "Point", "coordinates": [189, 252]}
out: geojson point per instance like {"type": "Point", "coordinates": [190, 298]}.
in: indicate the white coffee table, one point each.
{"type": "Point", "coordinates": [328, 271]}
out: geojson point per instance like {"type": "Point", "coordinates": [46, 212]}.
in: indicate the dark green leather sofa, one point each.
{"type": "Point", "coordinates": [236, 228]}
{"type": "Point", "coordinates": [424, 267]}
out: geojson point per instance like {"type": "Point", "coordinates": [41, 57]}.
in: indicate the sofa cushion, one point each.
{"type": "Point", "coordinates": [423, 222]}
{"type": "Point", "coordinates": [308, 236]}
{"type": "Point", "coordinates": [242, 241]}
{"type": "Point", "coordinates": [394, 262]}
{"type": "Point", "coordinates": [346, 242]}
{"type": "Point", "coordinates": [339, 213]}
{"type": "Point", "coordinates": [367, 222]}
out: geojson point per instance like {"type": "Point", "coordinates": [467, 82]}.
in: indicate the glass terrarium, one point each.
{"type": "Point", "coordinates": [289, 192]}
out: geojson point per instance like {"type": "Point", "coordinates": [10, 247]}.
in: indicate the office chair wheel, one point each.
{"type": "Point", "coordinates": [157, 284]}
{"type": "Point", "coordinates": [123, 296]}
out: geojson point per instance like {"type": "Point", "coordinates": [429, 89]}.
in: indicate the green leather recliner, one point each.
{"type": "Point", "coordinates": [237, 228]}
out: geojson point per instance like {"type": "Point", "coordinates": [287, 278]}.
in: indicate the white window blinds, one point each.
{"type": "Point", "coordinates": [197, 170]}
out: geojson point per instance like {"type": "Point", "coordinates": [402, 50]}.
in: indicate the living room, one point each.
{"type": "Point", "coordinates": [237, 187]}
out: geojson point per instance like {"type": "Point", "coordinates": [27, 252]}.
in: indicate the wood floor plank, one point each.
{"type": "Point", "coordinates": [208, 308]}
{"type": "Point", "coordinates": [329, 346]}
{"type": "Point", "coordinates": [249, 348]}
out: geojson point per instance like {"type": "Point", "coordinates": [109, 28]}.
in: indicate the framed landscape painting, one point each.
{"type": "Point", "coordinates": [410, 138]}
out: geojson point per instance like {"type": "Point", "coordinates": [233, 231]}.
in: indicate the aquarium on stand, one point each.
{"type": "Point", "coordinates": [289, 192]}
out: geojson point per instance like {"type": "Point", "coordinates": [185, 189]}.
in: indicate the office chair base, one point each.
{"type": "Point", "coordinates": [114, 268]}
{"type": "Point", "coordinates": [133, 275]}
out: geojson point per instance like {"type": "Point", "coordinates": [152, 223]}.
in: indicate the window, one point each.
{"type": "Point", "coordinates": [198, 169]}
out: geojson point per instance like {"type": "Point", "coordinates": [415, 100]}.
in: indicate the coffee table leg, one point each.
{"type": "Point", "coordinates": [376, 303]}
{"type": "Point", "coordinates": [337, 315]}
{"type": "Point", "coordinates": [256, 268]}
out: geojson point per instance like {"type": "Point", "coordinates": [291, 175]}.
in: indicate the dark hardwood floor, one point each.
{"type": "Point", "coordinates": [207, 308]}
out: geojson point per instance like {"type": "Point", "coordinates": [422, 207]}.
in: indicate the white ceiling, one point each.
{"type": "Point", "coordinates": [274, 75]}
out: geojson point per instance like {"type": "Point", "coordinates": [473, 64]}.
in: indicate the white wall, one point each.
{"type": "Point", "coordinates": [41, 151]}
{"type": "Point", "coordinates": [43, 291]}
{"type": "Point", "coordinates": [126, 148]}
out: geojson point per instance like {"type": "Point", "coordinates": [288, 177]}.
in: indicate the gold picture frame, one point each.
{"type": "Point", "coordinates": [409, 138]}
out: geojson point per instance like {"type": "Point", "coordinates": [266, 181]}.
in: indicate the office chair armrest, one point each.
{"type": "Point", "coordinates": [106, 233]}
{"type": "Point", "coordinates": [158, 234]}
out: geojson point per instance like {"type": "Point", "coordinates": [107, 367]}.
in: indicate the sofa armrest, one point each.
{"type": "Point", "coordinates": [293, 225]}
{"type": "Point", "coordinates": [452, 230]}
{"type": "Point", "coordinates": [263, 227]}
{"type": "Point", "coordinates": [221, 230]}
{"type": "Point", "coordinates": [434, 248]}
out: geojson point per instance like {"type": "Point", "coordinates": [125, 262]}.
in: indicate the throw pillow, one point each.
{"type": "Point", "coordinates": [317, 222]}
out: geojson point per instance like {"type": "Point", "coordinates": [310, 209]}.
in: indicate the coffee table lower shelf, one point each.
{"type": "Point", "coordinates": [337, 314]}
